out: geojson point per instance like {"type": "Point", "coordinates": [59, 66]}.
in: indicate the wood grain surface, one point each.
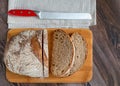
{"type": "Point", "coordinates": [106, 46]}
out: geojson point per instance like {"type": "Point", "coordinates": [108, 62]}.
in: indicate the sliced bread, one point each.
{"type": "Point", "coordinates": [62, 53]}
{"type": "Point", "coordinates": [80, 52]}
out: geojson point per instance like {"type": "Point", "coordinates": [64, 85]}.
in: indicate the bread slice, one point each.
{"type": "Point", "coordinates": [62, 53]}
{"type": "Point", "coordinates": [42, 51]}
{"type": "Point", "coordinates": [80, 52]}
{"type": "Point", "coordinates": [45, 53]}
{"type": "Point", "coordinates": [22, 55]}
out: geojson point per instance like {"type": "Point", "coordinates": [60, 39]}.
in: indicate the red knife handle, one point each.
{"type": "Point", "coordinates": [22, 12]}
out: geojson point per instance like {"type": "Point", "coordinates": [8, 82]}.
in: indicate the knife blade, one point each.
{"type": "Point", "coordinates": [48, 15]}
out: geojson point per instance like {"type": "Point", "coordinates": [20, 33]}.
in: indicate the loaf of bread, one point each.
{"type": "Point", "coordinates": [27, 53]}
{"type": "Point", "coordinates": [62, 53]}
{"type": "Point", "coordinates": [23, 54]}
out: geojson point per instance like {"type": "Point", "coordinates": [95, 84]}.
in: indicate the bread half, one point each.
{"type": "Point", "coordinates": [62, 53]}
{"type": "Point", "coordinates": [23, 54]}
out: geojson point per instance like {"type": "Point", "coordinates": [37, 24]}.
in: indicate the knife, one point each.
{"type": "Point", "coordinates": [48, 15]}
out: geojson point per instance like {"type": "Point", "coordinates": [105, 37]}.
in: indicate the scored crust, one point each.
{"type": "Point", "coordinates": [61, 40]}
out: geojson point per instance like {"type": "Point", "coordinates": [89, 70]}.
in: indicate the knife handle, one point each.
{"type": "Point", "coordinates": [22, 12]}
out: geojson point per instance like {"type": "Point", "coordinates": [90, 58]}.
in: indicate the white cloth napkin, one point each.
{"type": "Point", "coordinates": [83, 6]}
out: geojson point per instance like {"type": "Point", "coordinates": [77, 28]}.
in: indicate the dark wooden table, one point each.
{"type": "Point", "coordinates": [106, 47]}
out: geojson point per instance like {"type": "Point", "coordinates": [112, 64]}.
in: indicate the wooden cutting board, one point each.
{"type": "Point", "coordinates": [81, 76]}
